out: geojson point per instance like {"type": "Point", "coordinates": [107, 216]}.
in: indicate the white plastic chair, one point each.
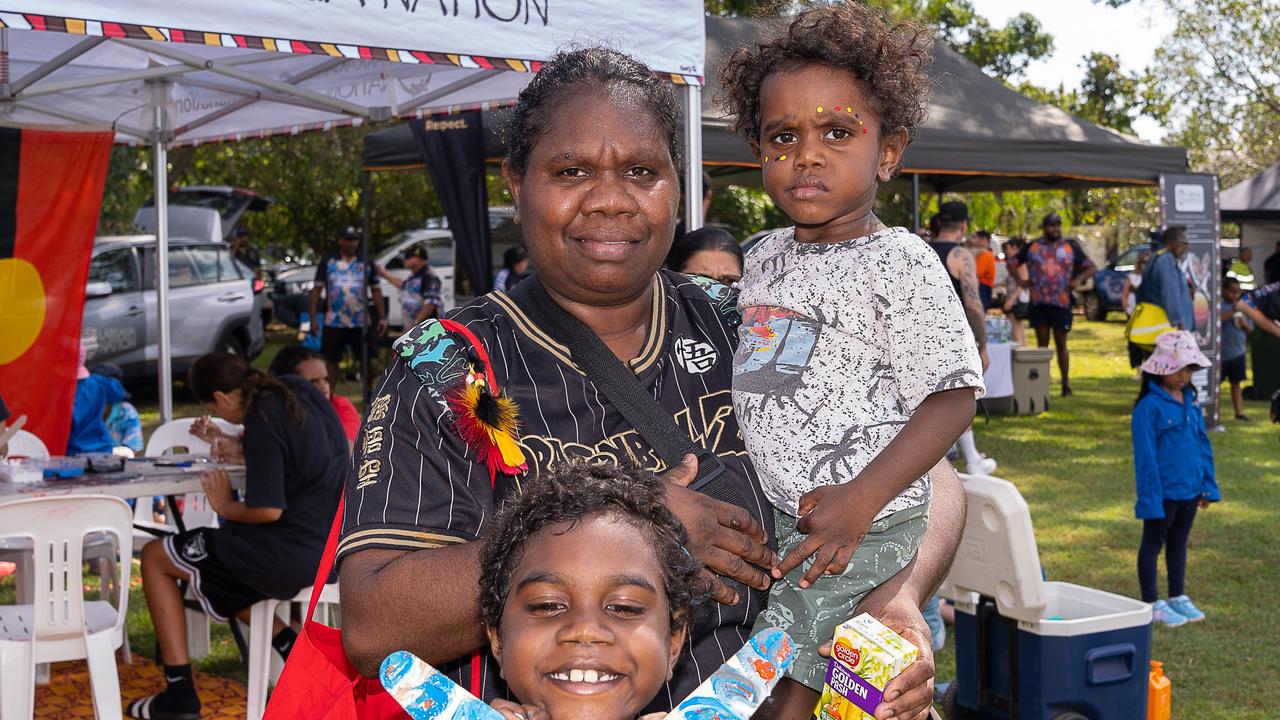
{"type": "Point", "coordinates": [264, 664]}
{"type": "Point", "coordinates": [26, 444]}
{"type": "Point", "coordinates": [196, 510]}
{"type": "Point", "coordinates": [60, 625]}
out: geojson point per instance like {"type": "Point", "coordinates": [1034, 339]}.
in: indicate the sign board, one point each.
{"type": "Point", "coordinates": [667, 35]}
{"type": "Point", "coordinates": [1192, 202]}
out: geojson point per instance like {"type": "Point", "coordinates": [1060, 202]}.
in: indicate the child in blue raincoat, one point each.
{"type": "Point", "coordinates": [1173, 464]}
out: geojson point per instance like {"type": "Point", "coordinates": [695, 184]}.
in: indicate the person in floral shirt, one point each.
{"type": "Point", "coordinates": [1051, 267]}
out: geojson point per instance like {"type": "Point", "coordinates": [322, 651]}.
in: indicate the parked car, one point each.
{"type": "Point", "coordinates": [212, 304]}
{"type": "Point", "coordinates": [1107, 293]}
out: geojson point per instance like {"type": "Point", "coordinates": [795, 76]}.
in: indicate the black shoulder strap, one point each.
{"type": "Point", "coordinates": [618, 383]}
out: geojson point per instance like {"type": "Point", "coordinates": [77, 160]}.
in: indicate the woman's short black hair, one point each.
{"type": "Point", "coordinates": [889, 60]}
{"type": "Point", "coordinates": [704, 238]}
{"type": "Point", "coordinates": [289, 357]}
{"type": "Point", "coordinates": [589, 69]}
{"type": "Point", "coordinates": [575, 491]}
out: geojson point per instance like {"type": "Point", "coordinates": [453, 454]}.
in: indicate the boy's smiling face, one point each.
{"type": "Point", "coordinates": [822, 167]}
{"type": "Point", "coordinates": [586, 630]}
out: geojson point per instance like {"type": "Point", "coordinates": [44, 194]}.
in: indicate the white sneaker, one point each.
{"type": "Point", "coordinates": [986, 466]}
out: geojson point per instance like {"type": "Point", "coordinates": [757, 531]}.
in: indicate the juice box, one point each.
{"type": "Point", "coordinates": [865, 656]}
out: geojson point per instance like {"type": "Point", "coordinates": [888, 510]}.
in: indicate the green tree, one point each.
{"type": "Point", "coordinates": [1215, 79]}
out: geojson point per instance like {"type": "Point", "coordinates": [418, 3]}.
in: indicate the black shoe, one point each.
{"type": "Point", "coordinates": [1066, 391]}
{"type": "Point", "coordinates": [163, 706]}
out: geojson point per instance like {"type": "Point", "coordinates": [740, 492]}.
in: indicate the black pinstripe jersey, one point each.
{"type": "Point", "coordinates": [415, 485]}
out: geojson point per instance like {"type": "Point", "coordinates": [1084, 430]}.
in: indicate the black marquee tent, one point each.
{"type": "Point", "coordinates": [979, 136]}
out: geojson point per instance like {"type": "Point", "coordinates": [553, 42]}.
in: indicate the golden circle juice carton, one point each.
{"type": "Point", "coordinates": [865, 656]}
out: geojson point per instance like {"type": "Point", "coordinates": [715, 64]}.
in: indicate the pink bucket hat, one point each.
{"type": "Point", "coordinates": [1174, 351]}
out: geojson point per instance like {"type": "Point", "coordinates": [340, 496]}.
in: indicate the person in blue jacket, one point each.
{"type": "Point", "coordinates": [1173, 464]}
{"type": "Point", "coordinates": [1164, 283]}
{"type": "Point", "coordinates": [94, 394]}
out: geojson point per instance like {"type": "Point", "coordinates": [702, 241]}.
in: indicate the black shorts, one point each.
{"type": "Point", "coordinates": [333, 340]}
{"type": "Point", "coordinates": [1022, 310]}
{"type": "Point", "coordinates": [1058, 318]}
{"type": "Point", "coordinates": [1234, 370]}
{"type": "Point", "coordinates": [984, 294]}
{"type": "Point", "coordinates": [218, 590]}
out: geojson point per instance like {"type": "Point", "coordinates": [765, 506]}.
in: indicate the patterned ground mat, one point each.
{"type": "Point", "coordinates": [68, 695]}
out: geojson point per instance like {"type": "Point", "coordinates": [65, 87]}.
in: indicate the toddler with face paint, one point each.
{"type": "Point", "coordinates": [856, 369]}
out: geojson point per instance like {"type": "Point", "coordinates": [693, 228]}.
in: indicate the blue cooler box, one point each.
{"type": "Point", "coordinates": [1087, 655]}
{"type": "Point", "coordinates": [1027, 649]}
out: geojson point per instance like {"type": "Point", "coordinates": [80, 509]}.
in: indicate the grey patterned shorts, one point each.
{"type": "Point", "coordinates": [811, 615]}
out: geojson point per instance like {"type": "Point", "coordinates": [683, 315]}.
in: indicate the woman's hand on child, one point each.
{"type": "Point", "coordinates": [834, 520]}
{"type": "Point", "coordinates": [723, 537]}
{"type": "Point", "coordinates": [516, 711]}
{"type": "Point", "coordinates": [909, 696]}
{"type": "Point", "coordinates": [1204, 502]}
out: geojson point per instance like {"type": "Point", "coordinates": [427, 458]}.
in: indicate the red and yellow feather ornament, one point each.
{"type": "Point", "coordinates": [487, 423]}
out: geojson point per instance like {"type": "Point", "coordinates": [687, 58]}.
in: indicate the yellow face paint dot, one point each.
{"type": "Point", "coordinates": [819, 108]}
{"type": "Point", "coordinates": [784, 157]}
{"type": "Point", "coordinates": [22, 307]}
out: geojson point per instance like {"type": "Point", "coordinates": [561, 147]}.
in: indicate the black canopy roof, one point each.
{"type": "Point", "coordinates": [1256, 199]}
{"type": "Point", "coordinates": [979, 136]}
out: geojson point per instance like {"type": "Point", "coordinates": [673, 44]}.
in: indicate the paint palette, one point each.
{"type": "Point", "coordinates": [741, 685]}
{"type": "Point", "coordinates": [426, 694]}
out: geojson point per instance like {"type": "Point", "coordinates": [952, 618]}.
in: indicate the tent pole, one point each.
{"type": "Point", "coordinates": [693, 189]}
{"type": "Point", "coordinates": [160, 172]}
{"type": "Point", "coordinates": [365, 201]}
{"type": "Point", "coordinates": [915, 201]}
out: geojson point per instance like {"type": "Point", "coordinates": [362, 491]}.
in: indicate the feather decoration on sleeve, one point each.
{"type": "Point", "coordinates": [487, 423]}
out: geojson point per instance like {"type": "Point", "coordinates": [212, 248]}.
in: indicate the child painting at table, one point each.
{"type": "Point", "coordinates": [856, 369]}
{"type": "Point", "coordinates": [587, 593]}
{"type": "Point", "coordinates": [270, 543]}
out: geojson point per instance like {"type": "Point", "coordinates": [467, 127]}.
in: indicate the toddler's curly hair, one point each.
{"type": "Point", "coordinates": [890, 60]}
{"type": "Point", "coordinates": [577, 490]}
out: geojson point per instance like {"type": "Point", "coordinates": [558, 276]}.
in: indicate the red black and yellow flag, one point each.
{"type": "Point", "coordinates": [50, 192]}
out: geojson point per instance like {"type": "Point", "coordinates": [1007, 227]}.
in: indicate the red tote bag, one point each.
{"type": "Point", "coordinates": [319, 681]}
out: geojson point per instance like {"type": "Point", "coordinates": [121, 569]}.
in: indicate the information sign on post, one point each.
{"type": "Point", "coordinates": [1191, 201]}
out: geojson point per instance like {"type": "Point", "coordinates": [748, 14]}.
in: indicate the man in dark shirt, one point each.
{"type": "Point", "coordinates": [1262, 306]}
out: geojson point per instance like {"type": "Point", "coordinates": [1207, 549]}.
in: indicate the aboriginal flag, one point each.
{"type": "Point", "coordinates": [50, 193]}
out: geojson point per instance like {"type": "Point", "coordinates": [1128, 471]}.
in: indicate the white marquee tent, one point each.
{"type": "Point", "coordinates": [167, 73]}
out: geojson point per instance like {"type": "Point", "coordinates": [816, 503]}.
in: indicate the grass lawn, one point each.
{"type": "Point", "coordinates": [1074, 466]}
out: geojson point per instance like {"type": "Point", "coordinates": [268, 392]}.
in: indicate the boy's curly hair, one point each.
{"type": "Point", "coordinates": [889, 60]}
{"type": "Point", "coordinates": [577, 490]}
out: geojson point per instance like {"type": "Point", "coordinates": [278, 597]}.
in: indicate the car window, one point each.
{"type": "Point", "coordinates": [227, 267]}
{"type": "Point", "coordinates": [440, 253]}
{"type": "Point", "coordinates": [115, 267]}
{"type": "Point", "coordinates": [1129, 259]}
{"type": "Point", "coordinates": [182, 270]}
{"type": "Point", "coordinates": [205, 260]}
{"type": "Point", "coordinates": [395, 263]}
